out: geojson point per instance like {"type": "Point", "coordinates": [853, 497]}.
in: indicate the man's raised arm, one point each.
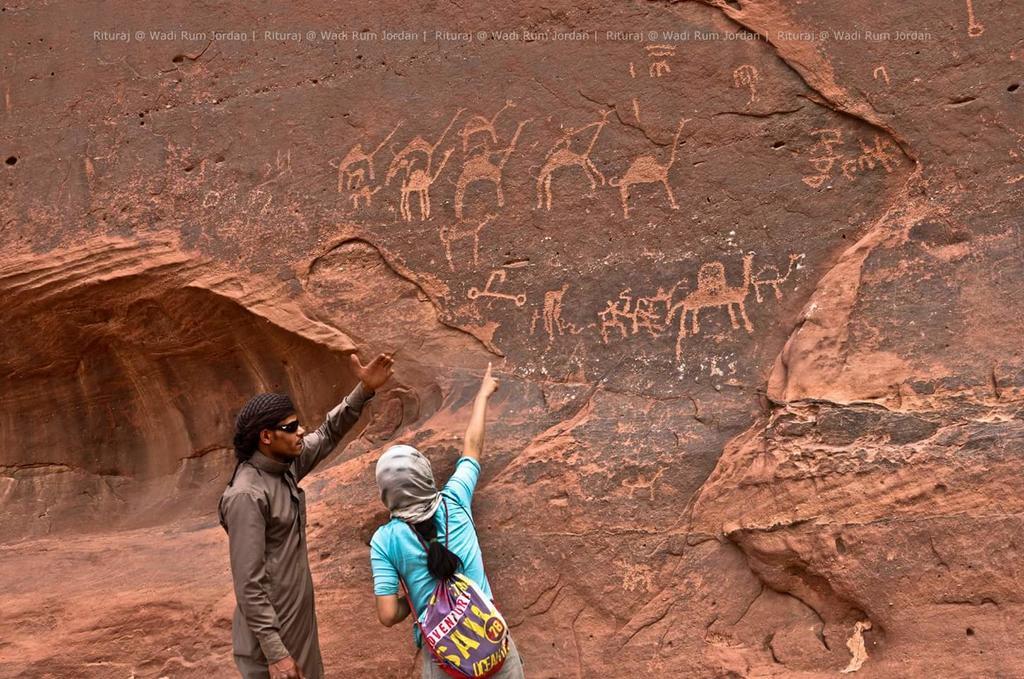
{"type": "Point", "coordinates": [318, 445]}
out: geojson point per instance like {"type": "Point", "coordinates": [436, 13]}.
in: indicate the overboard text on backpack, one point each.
{"type": "Point", "coordinates": [462, 628]}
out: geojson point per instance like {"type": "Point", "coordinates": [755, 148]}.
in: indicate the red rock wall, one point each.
{"type": "Point", "coordinates": [751, 271]}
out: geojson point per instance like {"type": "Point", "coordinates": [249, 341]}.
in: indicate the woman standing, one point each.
{"type": "Point", "coordinates": [442, 520]}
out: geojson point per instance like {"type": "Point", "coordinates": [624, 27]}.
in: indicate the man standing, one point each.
{"type": "Point", "coordinates": [263, 511]}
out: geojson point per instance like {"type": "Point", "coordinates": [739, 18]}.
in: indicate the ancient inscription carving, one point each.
{"type": "Point", "coordinates": [880, 153]}
{"type": "Point", "coordinates": [553, 323]}
{"type": "Point", "coordinates": [659, 65]}
{"type": "Point", "coordinates": [632, 314]}
{"type": "Point", "coordinates": [629, 316]}
{"type": "Point", "coordinates": [870, 157]}
{"type": "Point", "coordinates": [260, 196]}
{"type": "Point", "coordinates": [746, 76]}
{"type": "Point", "coordinates": [642, 482]}
{"type": "Point", "coordinates": [825, 156]}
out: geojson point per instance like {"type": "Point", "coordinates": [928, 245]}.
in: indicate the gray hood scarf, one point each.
{"type": "Point", "coordinates": [406, 484]}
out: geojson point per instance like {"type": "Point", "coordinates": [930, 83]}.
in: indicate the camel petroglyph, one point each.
{"type": "Point", "coordinates": [647, 170]}
{"type": "Point", "coordinates": [562, 156]}
{"type": "Point", "coordinates": [713, 290]}
{"type": "Point", "coordinates": [355, 171]}
{"type": "Point", "coordinates": [480, 168]}
{"type": "Point", "coordinates": [418, 179]}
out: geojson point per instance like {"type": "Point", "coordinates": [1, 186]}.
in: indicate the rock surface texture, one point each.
{"type": "Point", "coordinates": [750, 271]}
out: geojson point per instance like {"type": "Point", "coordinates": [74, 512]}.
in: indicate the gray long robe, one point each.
{"type": "Point", "coordinates": [264, 514]}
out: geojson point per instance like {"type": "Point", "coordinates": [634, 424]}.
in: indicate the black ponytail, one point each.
{"type": "Point", "coordinates": [441, 562]}
{"type": "Point", "coordinates": [245, 444]}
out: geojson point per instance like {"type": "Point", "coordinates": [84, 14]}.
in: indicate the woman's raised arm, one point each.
{"type": "Point", "coordinates": [474, 444]}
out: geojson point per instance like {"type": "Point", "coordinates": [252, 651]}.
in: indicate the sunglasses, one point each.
{"type": "Point", "coordinates": [290, 428]}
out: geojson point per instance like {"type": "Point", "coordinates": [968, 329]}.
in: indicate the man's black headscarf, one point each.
{"type": "Point", "coordinates": [262, 411]}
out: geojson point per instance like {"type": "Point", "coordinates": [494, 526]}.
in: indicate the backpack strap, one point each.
{"type": "Point", "coordinates": [446, 515]}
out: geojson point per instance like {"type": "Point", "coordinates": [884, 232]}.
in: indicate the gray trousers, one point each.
{"type": "Point", "coordinates": [512, 669]}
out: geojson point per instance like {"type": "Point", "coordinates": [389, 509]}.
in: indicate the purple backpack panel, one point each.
{"type": "Point", "coordinates": [462, 628]}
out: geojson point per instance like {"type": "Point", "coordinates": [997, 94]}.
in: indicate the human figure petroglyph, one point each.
{"type": "Point", "coordinates": [562, 156]}
{"type": "Point", "coordinates": [553, 312]}
{"type": "Point", "coordinates": [480, 167]}
{"type": "Point", "coordinates": [746, 76]}
{"type": "Point", "coordinates": [651, 313]}
{"type": "Point", "coordinates": [479, 124]}
{"type": "Point", "coordinates": [458, 232]}
{"type": "Point", "coordinates": [554, 324]}
{"type": "Point", "coordinates": [974, 27]}
{"type": "Point", "coordinates": [647, 170]}
{"type": "Point", "coordinates": [660, 67]}
{"type": "Point", "coordinates": [418, 179]}
{"type": "Point", "coordinates": [355, 171]}
{"type": "Point", "coordinates": [615, 313]}
{"type": "Point", "coordinates": [641, 313]}
{"type": "Point", "coordinates": [713, 290]}
{"type": "Point", "coordinates": [497, 276]}
{"type": "Point", "coordinates": [777, 280]}
{"type": "Point", "coordinates": [884, 73]}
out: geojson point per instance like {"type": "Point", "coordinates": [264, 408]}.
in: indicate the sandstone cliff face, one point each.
{"type": "Point", "coordinates": [751, 271]}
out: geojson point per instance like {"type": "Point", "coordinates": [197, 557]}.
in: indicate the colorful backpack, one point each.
{"type": "Point", "coordinates": [463, 629]}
